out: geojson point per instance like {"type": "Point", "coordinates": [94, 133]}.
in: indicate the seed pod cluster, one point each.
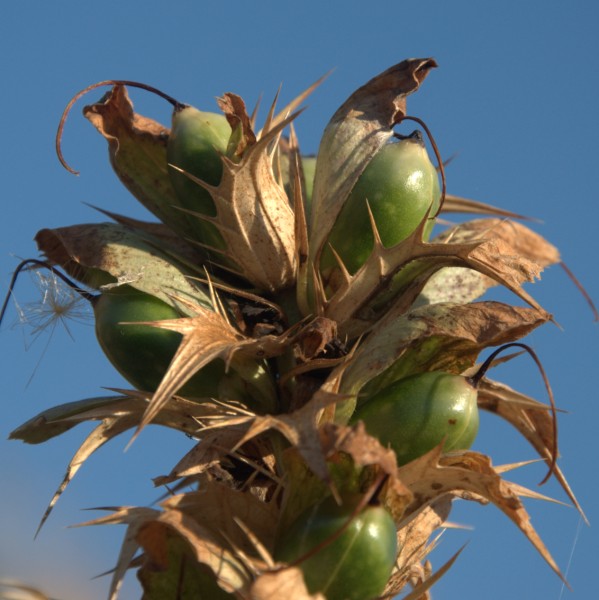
{"type": "Point", "coordinates": [296, 316]}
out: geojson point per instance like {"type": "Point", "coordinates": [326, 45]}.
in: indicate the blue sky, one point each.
{"type": "Point", "coordinates": [514, 98]}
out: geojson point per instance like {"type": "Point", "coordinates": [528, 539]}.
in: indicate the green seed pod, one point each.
{"type": "Point", "coordinates": [415, 414]}
{"type": "Point", "coordinates": [309, 168]}
{"type": "Point", "coordinates": [196, 144]}
{"type": "Point", "coordinates": [401, 186]}
{"type": "Point", "coordinates": [356, 564]}
{"type": "Point", "coordinates": [142, 353]}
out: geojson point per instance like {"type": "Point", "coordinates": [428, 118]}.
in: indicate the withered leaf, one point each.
{"type": "Point", "coordinates": [135, 518]}
{"type": "Point", "coordinates": [459, 284]}
{"type": "Point", "coordinates": [211, 451]}
{"type": "Point", "coordinates": [58, 419]}
{"type": "Point", "coordinates": [457, 204]}
{"type": "Point", "coordinates": [364, 449]}
{"type": "Point", "coordinates": [206, 336]}
{"type": "Point", "coordinates": [113, 253]}
{"type": "Point", "coordinates": [117, 415]}
{"type": "Point", "coordinates": [420, 591]}
{"type": "Point", "coordinates": [367, 451]}
{"type": "Point", "coordinates": [169, 568]}
{"type": "Point", "coordinates": [314, 337]}
{"type": "Point", "coordinates": [300, 428]}
{"type": "Point", "coordinates": [12, 589]}
{"type": "Point", "coordinates": [204, 545]}
{"type": "Point", "coordinates": [162, 237]}
{"type": "Point", "coordinates": [284, 583]}
{"type": "Point", "coordinates": [454, 284]}
{"type": "Point", "coordinates": [520, 240]}
{"type": "Point", "coordinates": [254, 216]}
{"type": "Point", "coordinates": [414, 541]}
{"type": "Point", "coordinates": [137, 151]}
{"type": "Point", "coordinates": [531, 418]}
{"type": "Point", "coordinates": [108, 429]}
{"type": "Point", "coordinates": [491, 256]}
{"type": "Point", "coordinates": [433, 475]}
{"type": "Point", "coordinates": [234, 109]}
{"type": "Point", "coordinates": [218, 506]}
{"type": "Point", "coordinates": [441, 336]}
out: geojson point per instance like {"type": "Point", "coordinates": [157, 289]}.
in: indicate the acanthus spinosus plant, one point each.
{"type": "Point", "coordinates": [299, 319]}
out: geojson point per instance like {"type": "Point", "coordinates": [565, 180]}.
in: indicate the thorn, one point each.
{"type": "Point", "coordinates": [378, 243]}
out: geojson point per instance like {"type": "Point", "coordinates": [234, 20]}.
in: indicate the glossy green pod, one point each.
{"type": "Point", "coordinates": [196, 144]}
{"type": "Point", "coordinates": [401, 186]}
{"type": "Point", "coordinates": [353, 566]}
{"type": "Point", "coordinates": [415, 414]}
{"type": "Point", "coordinates": [142, 353]}
{"type": "Point", "coordinates": [309, 169]}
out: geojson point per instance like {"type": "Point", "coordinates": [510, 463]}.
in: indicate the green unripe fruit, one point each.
{"type": "Point", "coordinates": [401, 186]}
{"type": "Point", "coordinates": [353, 566]}
{"type": "Point", "coordinates": [196, 144]}
{"type": "Point", "coordinates": [309, 169]}
{"type": "Point", "coordinates": [415, 414]}
{"type": "Point", "coordinates": [142, 353]}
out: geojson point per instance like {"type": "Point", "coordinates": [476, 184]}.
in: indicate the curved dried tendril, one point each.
{"type": "Point", "coordinates": [476, 378]}
{"type": "Point", "coordinates": [441, 166]}
{"type": "Point", "coordinates": [114, 82]}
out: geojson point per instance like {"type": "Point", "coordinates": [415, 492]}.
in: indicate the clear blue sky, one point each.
{"type": "Point", "coordinates": [515, 97]}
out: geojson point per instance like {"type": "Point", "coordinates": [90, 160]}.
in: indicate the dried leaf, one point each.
{"type": "Point", "coordinates": [207, 336]}
{"type": "Point", "coordinates": [118, 414]}
{"type": "Point", "coordinates": [161, 237]}
{"type": "Point", "coordinates": [454, 284]}
{"type": "Point", "coordinates": [520, 240]}
{"type": "Point", "coordinates": [367, 451]}
{"type": "Point", "coordinates": [90, 252]}
{"type": "Point", "coordinates": [209, 453]}
{"type": "Point", "coordinates": [205, 546]}
{"type": "Point", "coordinates": [364, 449]}
{"type": "Point", "coordinates": [491, 256]}
{"type": "Point", "coordinates": [445, 337]}
{"type": "Point", "coordinates": [108, 429]}
{"type": "Point", "coordinates": [137, 151]}
{"type": "Point", "coordinates": [254, 216]}
{"type": "Point", "coordinates": [432, 476]}
{"type": "Point", "coordinates": [217, 507]}
{"type": "Point", "coordinates": [234, 109]}
{"type": "Point", "coordinates": [531, 418]}
{"type": "Point", "coordinates": [300, 428]}
{"type": "Point", "coordinates": [456, 204]}
{"type": "Point", "coordinates": [58, 419]}
{"type": "Point", "coordinates": [179, 413]}
{"type": "Point", "coordinates": [169, 568]}
{"type": "Point", "coordinates": [414, 541]}
{"type": "Point", "coordinates": [11, 589]}
{"type": "Point", "coordinates": [459, 284]}
{"type": "Point", "coordinates": [135, 518]}
{"type": "Point", "coordinates": [418, 593]}
{"type": "Point", "coordinates": [285, 583]}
